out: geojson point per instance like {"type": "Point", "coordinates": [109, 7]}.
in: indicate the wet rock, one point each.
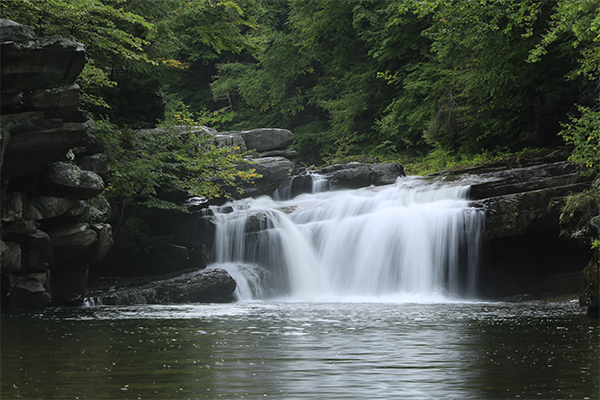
{"type": "Point", "coordinates": [29, 291]}
{"type": "Point", "coordinates": [213, 286]}
{"type": "Point", "coordinates": [69, 178]}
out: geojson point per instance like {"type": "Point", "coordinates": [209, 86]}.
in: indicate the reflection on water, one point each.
{"type": "Point", "coordinates": [303, 350]}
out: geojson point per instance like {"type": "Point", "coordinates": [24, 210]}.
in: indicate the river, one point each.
{"type": "Point", "coordinates": [355, 349]}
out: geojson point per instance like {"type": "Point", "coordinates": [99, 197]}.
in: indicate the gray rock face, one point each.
{"type": "Point", "coordinates": [213, 286]}
{"type": "Point", "coordinates": [521, 200]}
{"type": "Point", "coordinates": [49, 61]}
{"type": "Point", "coordinates": [265, 139]}
{"type": "Point", "coordinates": [36, 141]}
{"type": "Point", "coordinates": [274, 171]}
{"type": "Point", "coordinates": [40, 122]}
{"type": "Point", "coordinates": [71, 179]}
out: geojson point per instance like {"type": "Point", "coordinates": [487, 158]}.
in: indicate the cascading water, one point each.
{"type": "Point", "coordinates": [413, 238]}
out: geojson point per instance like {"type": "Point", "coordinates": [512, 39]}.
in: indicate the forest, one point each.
{"type": "Point", "coordinates": [353, 79]}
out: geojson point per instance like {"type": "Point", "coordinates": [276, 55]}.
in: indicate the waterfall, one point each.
{"type": "Point", "coordinates": [415, 237]}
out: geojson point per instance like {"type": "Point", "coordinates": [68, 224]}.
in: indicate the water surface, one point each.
{"type": "Point", "coordinates": [298, 349]}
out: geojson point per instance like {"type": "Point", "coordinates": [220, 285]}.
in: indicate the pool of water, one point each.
{"type": "Point", "coordinates": [313, 350]}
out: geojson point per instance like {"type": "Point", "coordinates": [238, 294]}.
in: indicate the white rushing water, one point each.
{"type": "Point", "coordinates": [414, 239]}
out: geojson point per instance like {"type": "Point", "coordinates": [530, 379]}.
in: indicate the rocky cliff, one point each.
{"type": "Point", "coordinates": [53, 221]}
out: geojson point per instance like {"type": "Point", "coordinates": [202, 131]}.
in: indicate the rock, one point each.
{"type": "Point", "coordinates": [213, 286]}
{"type": "Point", "coordinates": [355, 175]}
{"type": "Point", "coordinates": [265, 139]}
{"type": "Point", "coordinates": [10, 257]}
{"type": "Point", "coordinates": [36, 251]}
{"type": "Point", "coordinates": [78, 235]}
{"type": "Point", "coordinates": [36, 141]}
{"type": "Point", "coordinates": [68, 178]}
{"type": "Point", "coordinates": [290, 154]}
{"type": "Point", "coordinates": [274, 171]}
{"type": "Point", "coordinates": [386, 174]}
{"type": "Point", "coordinates": [12, 207]}
{"type": "Point", "coordinates": [103, 245]}
{"type": "Point", "coordinates": [52, 206]}
{"type": "Point", "coordinates": [57, 102]}
{"type": "Point", "coordinates": [589, 294]}
{"type": "Point", "coordinates": [20, 227]}
{"type": "Point", "coordinates": [12, 31]}
{"type": "Point", "coordinates": [97, 163]}
{"type": "Point", "coordinates": [40, 62]}
{"type": "Point", "coordinates": [234, 141]}
{"type": "Point", "coordinates": [29, 291]}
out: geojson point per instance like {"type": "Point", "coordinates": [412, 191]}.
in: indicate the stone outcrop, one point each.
{"type": "Point", "coordinates": [52, 222]}
{"type": "Point", "coordinates": [523, 208]}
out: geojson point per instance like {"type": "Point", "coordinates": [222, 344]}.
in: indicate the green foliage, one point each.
{"type": "Point", "coordinates": [584, 133]}
{"type": "Point", "coordinates": [103, 26]}
{"type": "Point", "coordinates": [149, 167]}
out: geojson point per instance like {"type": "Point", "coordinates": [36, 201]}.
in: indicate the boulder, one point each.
{"type": "Point", "coordinates": [265, 139]}
{"type": "Point", "coordinates": [78, 235]}
{"type": "Point", "coordinates": [69, 178]}
{"type": "Point", "coordinates": [212, 286]}
{"type": "Point", "coordinates": [233, 141]}
{"type": "Point", "coordinates": [51, 206]}
{"type": "Point", "coordinates": [275, 172]}
{"type": "Point", "coordinates": [29, 291]}
{"type": "Point", "coordinates": [97, 163]}
{"type": "Point", "coordinates": [355, 175]}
